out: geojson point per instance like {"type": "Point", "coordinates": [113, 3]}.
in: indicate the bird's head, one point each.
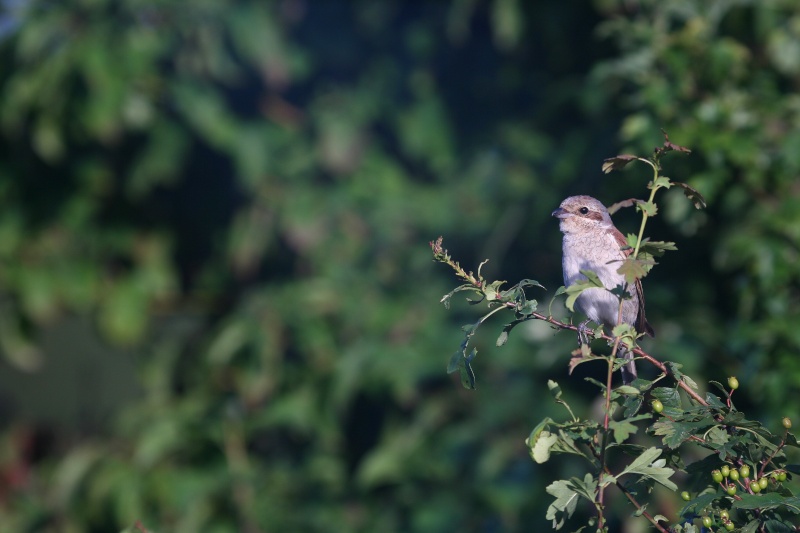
{"type": "Point", "coordinates": [582, 213]}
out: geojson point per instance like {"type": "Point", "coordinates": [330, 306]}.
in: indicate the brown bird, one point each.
{"type": "Point", "coordinates": [591, 242]}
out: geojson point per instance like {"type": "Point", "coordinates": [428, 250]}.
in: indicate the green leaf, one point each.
{"type": "Point", "coordinates": [492, 290]}
{"type": "Point", "coordinates": [717, 435]}
{"type": "Point", "coordinates": [455, 362]}
{"type": "Point", "coordinates": [633, 268]}
{"type": "Point", "coordinates": [592, 281]}
{"type": "Point", "coordinates": [648, 208]}
{"type": "Point", "coordinates": [668, 396]}
{"type": "Point", "coordinates": [565, 503]}
{"type": "Point", "coordinates": [646, 466]}
{"type": "Point", "coordinates": [767, 501]}
{"type": "Point", "coordinates": [696, 505]}
{"type": "Point", "coordinates": [624, 428]}
{"type": "Point", "coordinates": [661, 181]}
{"type": "Point", "coordinates": [587, 487]}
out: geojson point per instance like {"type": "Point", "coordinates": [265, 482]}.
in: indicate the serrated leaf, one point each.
{"type": "Point", "coordinates": [717, 435]}
{"type": "Point", "coordinates": [655, 248]}
{"type": "Point", "coordinates": [617, 162]}
{"type": "Point", "coordinates": [581, 355]}
{"type": "Point", "coordinates": [591, 281]}
{"type": "Point", "coordinates": [668, 396]}
{"type": "Point", "coordinates": [692, 194]}
{"type": "Point", "coordinates": [528, 308]}
{"type": "Point", "coordinates": [769, 500]}
{"type": "Point", "coordinates": [633, 269]}
{"type": "Point", "coordinates": [696, 505]}
{"type": "Point", "coordinates": [586, 487]}
{"type": "Point", "coordinates": [565, 503]}
{"type": "Point", "coordinates": [713, 401]}
{"type": "Point", "coordinates": [624, 428]}
{"type": "Point", "coordinates": [644, 466]}
{"type": "Point", "coordinates": [613, 208]}
{"type": "Point", "coordinates": [661, 181]}
{"type": "Point", "coordinates": [607, 479]}
{"type": "Point", "coordinates": [648, 208]}
{"type": "Point", "coordinates": [492, 290]}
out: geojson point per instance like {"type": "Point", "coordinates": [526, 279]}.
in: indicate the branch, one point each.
{"type": "Point", "coordinates": [638, 351]}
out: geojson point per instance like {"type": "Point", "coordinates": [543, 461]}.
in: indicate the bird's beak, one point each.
{"type": "Point", "coordinates": [560, 213]}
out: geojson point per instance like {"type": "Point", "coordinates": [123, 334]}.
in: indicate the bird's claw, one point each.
{"type": "Point", "coordinates": [583, 332]}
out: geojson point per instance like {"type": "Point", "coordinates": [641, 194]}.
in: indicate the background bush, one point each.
{"type": "Point", "coordinates": [219, 311]}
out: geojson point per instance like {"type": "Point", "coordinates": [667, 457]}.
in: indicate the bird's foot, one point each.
{"type": "Point", "coordinates": [583, 332]}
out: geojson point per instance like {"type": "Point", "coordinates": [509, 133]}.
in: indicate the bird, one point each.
{"type": "Point", "coordinates": [592, 242]}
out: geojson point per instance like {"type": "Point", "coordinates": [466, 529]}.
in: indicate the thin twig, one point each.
{"type": "Point", "coordinates": [638, 506]}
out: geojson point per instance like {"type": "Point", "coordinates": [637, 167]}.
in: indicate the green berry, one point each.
{"type": "Point", "coordinates": [726, 470]}
{"type": "Point", "coordinates": [723, 515]}
{"type": "Point", "coordinates": [755, 487]}
{"type": "Point", "coordinates": [782, 476]}
{"type": "Point", "coordinates": [686, 496]}
{"type": "Point", "coordinates": [763, 483]}
{"type": "Point", "coordinates": [733, 383]}
{"type": "Point", "coordinates": [734, 475]}
{"type": "Point", "coordinates": [716, 475]}
{"type": "Point", "coordinates": [657, 406]}
{"type": "Point", "coordinates": [731, 490]}
{"type": "Point", "coordinates": [744, 471]}
{"type": "Point", "coordinates": [707, 521]}
{"type": "Point", "coordinates": [787, 422]}
{"type": "Point", "coordinates": [729, 526]}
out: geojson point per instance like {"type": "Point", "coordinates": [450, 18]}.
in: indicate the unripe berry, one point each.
{"type": "Point", "coordinates": [707, 521]}
{"type": "Point", "coordinates": [726, 470]}
{"type": "Point", "coordinates": [787, 422]}
{"type": "Point", "coordinates": [782, 476]}
{"type": "Point", "coordinates": [685, 495]}
{"type": "Point", "coordinates": [733, 383]}
{"type": "Point", "coordinates": [657, 406]}
{"type": "Point", "coordinates": [731, 490]}
{"type": "Point", "coordinates": [734, 474]}
{"type": "Point", "coordinates": [729, 526]}
{"type": "Point", "coordinates": [723, 514]}
{"type": "Point", "coordinates": [755, 487]}
{"type": "Point", "coordinates": [763, 483]}
{"type": "Point", "coordinates": [716, 475]}
{"type": "Point", "coordinates": [744, 471]}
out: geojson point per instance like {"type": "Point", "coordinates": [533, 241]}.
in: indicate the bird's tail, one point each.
{"type": "Point", "coordinates": [629, 370]}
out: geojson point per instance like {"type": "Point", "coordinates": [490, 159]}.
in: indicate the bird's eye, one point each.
{"type": "Point", "coordinates": [583, 210]}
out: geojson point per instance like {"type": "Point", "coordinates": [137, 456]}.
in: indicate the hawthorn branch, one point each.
{"type": "Point", "coordinates": [638, 351]}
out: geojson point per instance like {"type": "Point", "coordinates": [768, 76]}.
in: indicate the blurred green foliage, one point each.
{"type": "Point", "coordinates": [236, 198]}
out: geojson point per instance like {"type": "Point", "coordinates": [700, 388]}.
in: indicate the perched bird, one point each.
{"type": "Point", "coordinates": [591, 242]}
